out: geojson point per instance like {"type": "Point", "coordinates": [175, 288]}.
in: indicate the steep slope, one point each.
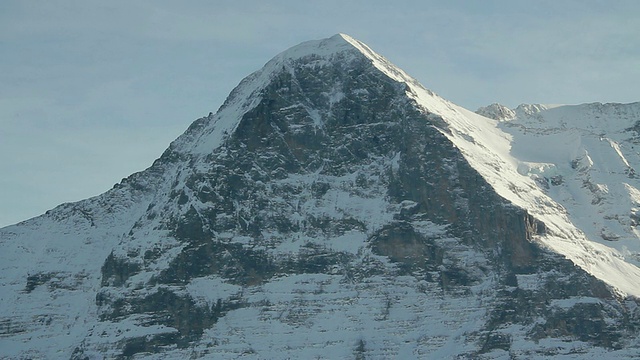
{"type": "Point", "coordinates": [583, 157]}
{"type": "Point", "coordinates": [331, 208]}
{"type": "Point", "coordinates": [594, 167]}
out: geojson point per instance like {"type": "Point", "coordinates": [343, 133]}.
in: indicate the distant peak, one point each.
{"type": "Point", "coordinates": [530, 109]}
{"type": "Point", "coordinates": [497, 112]}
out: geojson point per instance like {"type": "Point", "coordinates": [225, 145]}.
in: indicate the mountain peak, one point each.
{"type": "Point", "coordinates": [339, 50]}
{"type": "Point", "coordinates": [497, 112]}
{"type": "Point", "coordinates": [322, 48]}
{"type": "Point", "coordinates": [343, 44]}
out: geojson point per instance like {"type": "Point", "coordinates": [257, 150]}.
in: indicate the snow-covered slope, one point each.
{"type": "Point", "coordinates": [584, 158]}
{"type": "Point", "coordinates": [502, 158]}
{"type": "Point", "coordinates": [332, 208]}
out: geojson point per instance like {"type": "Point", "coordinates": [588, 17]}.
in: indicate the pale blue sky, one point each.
{"type": "Point", "coordinates": [92, 91]}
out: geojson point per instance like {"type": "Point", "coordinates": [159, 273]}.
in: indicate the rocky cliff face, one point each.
{"type": "Point", "coordinates": [323, 212]}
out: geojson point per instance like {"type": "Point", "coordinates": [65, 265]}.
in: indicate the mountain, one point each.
{"type": "Point", "coordinates": [335, 208]}
{"type": "Point", "coordinates": [584, 157]}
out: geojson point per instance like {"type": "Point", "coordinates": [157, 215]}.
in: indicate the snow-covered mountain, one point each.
{"type": "Point", "coordinates": [584, 157]}
{"type": "Point", "coordinates": [335, 208]}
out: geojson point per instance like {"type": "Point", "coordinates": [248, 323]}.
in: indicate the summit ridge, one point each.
{"type": "Point", "coordinates": [321, 48]}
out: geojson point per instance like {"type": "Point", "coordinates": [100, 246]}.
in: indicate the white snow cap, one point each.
{"type": "Point", "coordinates": [324, 47]}
{"type": "Point", "coordinates": [342, 43]}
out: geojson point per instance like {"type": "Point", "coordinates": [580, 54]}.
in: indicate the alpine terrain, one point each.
{"type": "Point", "coordinates": [334, 208]}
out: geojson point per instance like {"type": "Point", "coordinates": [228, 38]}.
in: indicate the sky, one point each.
{"type": "Point", "coordinates": [93, 91]}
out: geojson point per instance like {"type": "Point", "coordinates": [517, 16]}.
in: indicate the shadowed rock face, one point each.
{"type": "Point", "coordinates": [337, 182]}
